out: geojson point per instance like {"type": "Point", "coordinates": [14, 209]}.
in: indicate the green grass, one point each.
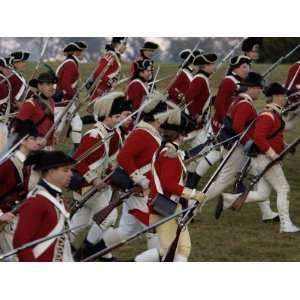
{"type": "Point", "coordinates": [235, 236]}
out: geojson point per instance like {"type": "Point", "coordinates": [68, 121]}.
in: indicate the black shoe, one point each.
{"type": "Point", "coordinates": [273, 220]}
{"type": "Point", "coordinates": [219, 207]}
{"type": "Point", "coordinates": [105, 259]}
{"type": "Point", "coordinates": [80, 254]}
{"type": "Point", "coordinates": [87, 249]}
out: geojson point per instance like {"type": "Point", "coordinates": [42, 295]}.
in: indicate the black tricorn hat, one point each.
{"type": "Point", "coordinates": [236, 61]}
{"type": "Point", "coordinates": [253, 79]}
{"type": "Point", "coordinates": [118, 40]}
{"type": "Point", "coordinates": [150, 46]}
{"type": "Point", "coordinates": [75, 46]}
{"type": "Point", "coordinates": [19, 56]}
{"type": "Point", "coordinates": [184, 54]}
{"type": "Point", "coordinates": [45, 77]}
{"type": "Point", "coordinates": [275, 88]}
{"type": "Point", "coordinates": [6, 61]}
{"type": "Point", "coordinates": [46, 160]}
{"type": "Point", "coordinates": [24, 127]}
{"type": "Point", "coordinates": [250, 43]}
{"type": "Point", "coordinates": [205, 58]}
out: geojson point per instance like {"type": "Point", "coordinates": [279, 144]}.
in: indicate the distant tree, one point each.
{"type": "Point", "coordinates": [275, 47]}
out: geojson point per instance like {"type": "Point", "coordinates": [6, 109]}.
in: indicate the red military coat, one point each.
{"type": "Point", "coordinates": [4, 95]}
{"type": "Point", "coordinates": [293, 79]}
{"type": "Point", "coordinates": [136, 154]}
{"type": "Point", "coordinates": [268, 123]}
{"type": "Point", "coordinates": [198, 94]}
{"type": "Point", "coordinates": [14, 178]}
{"type": "Point", "coordinates": [109, 67]}
{"type": "Point", "coordinates": [41, 113]}
{"type": "Point", "coordinates": [18, 85]}
{"type": "Point", "coordinates": [227, 89]}
{"type": "Point", "coordinates": [31, 228]}
{"type": "Point", "coordinates": [242, 112]}
{"type": "Point", "coordinates": [170, 181]}
{"type": "Point", "coordinates": [180, 85]}
{"type": "Point", "coordinates": [68, 75]}
{"type": "Point", "coordinates": [136, 91]}
{"type": "Point", "coordinates": [139, 148]}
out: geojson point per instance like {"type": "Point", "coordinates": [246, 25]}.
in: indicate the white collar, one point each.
{"type": "Point", "coordinates": [146, 125]}
{"type": "Point", "coordinates": [54, 187]}
{"type": "Point", "coordinates": [20, 156]}
{"type": "Point", "coordinates": [245, 95]}
{"type": "Point", "coordinates": [76, 58]}
{"type": "Point", "coordinates": [106, 127]}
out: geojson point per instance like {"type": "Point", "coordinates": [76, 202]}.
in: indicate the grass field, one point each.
{"type": "Point", "coordinates": [236, 236]}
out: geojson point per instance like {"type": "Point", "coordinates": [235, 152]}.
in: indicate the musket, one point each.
{"type": "Point", "coordinates": [135, 235]}
{"type": "Point", "coordinates": [293, 80]}
{"type": "Point", "coordinates": [121, 81]}
{"type": "Point", "coordinates": [293, 105]}
{"type": "Point", "coordinates": [243, 173]}
{"type": "Point", "coordinates": [239, 202]}
{"type": "Point", "coordinates": [86, 197]}
{"type": "Point", "coordinates": [39, 241]}
{"type": "Point", "coordinates": [191, 153]}
{"type": "Point", "coordinates": [202, 153]}
{"type": "Point", "coordinates": [11, 115]}
{"type": "Point", "coordinates": [14, 209]}
{"type": "Point", "coordinates": [101, 215]}
{"type": "Point", "coordinates": [13, 148]}
{"type": "Point", "coordinates": [238, 185]}
{"type": "Point", "coordinates": [279, 61]}
{"type": "Point", "coordinates": [150, 84]}
{"type": "Point", "coordinates": [170, 253]}
{"type": "Point", "coordinates": [66, 110]}
{"type": "Point", "coordinates": [40, 59]}
{"type": "Point", "coordinates": [36, 67]}
{"type": "Point", "coordinates": [230, 53]}
{"type": "Point", "coordinates": [70, 114]}
{"type": "Point", "coordinates": [160, 80]}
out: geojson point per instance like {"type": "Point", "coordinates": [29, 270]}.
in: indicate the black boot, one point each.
{"type": "Point", "coordinates": [192, 180]}
{"type": "Point", "coordinates": [274, 220]}
{"type": "Point", "coordinates": [87, 249]}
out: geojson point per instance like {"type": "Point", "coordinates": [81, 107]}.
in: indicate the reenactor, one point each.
{"type": "Point", "coordinates": [109, 66]}
{"type": "Point", "coordinates": [45, 203]}
{"type": "Point", "coordinates": [137, 89]}
{"type": "Point", "coordinates": [14, 176]}
{"type": "Point", "coordinates": [67, 79]}
{"type": "Point", "coordinates": [268, 144]}
{"type": "Point", "coordinates": [40, 107]}
{"type": "Point", "coordinates": [94, 167]}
